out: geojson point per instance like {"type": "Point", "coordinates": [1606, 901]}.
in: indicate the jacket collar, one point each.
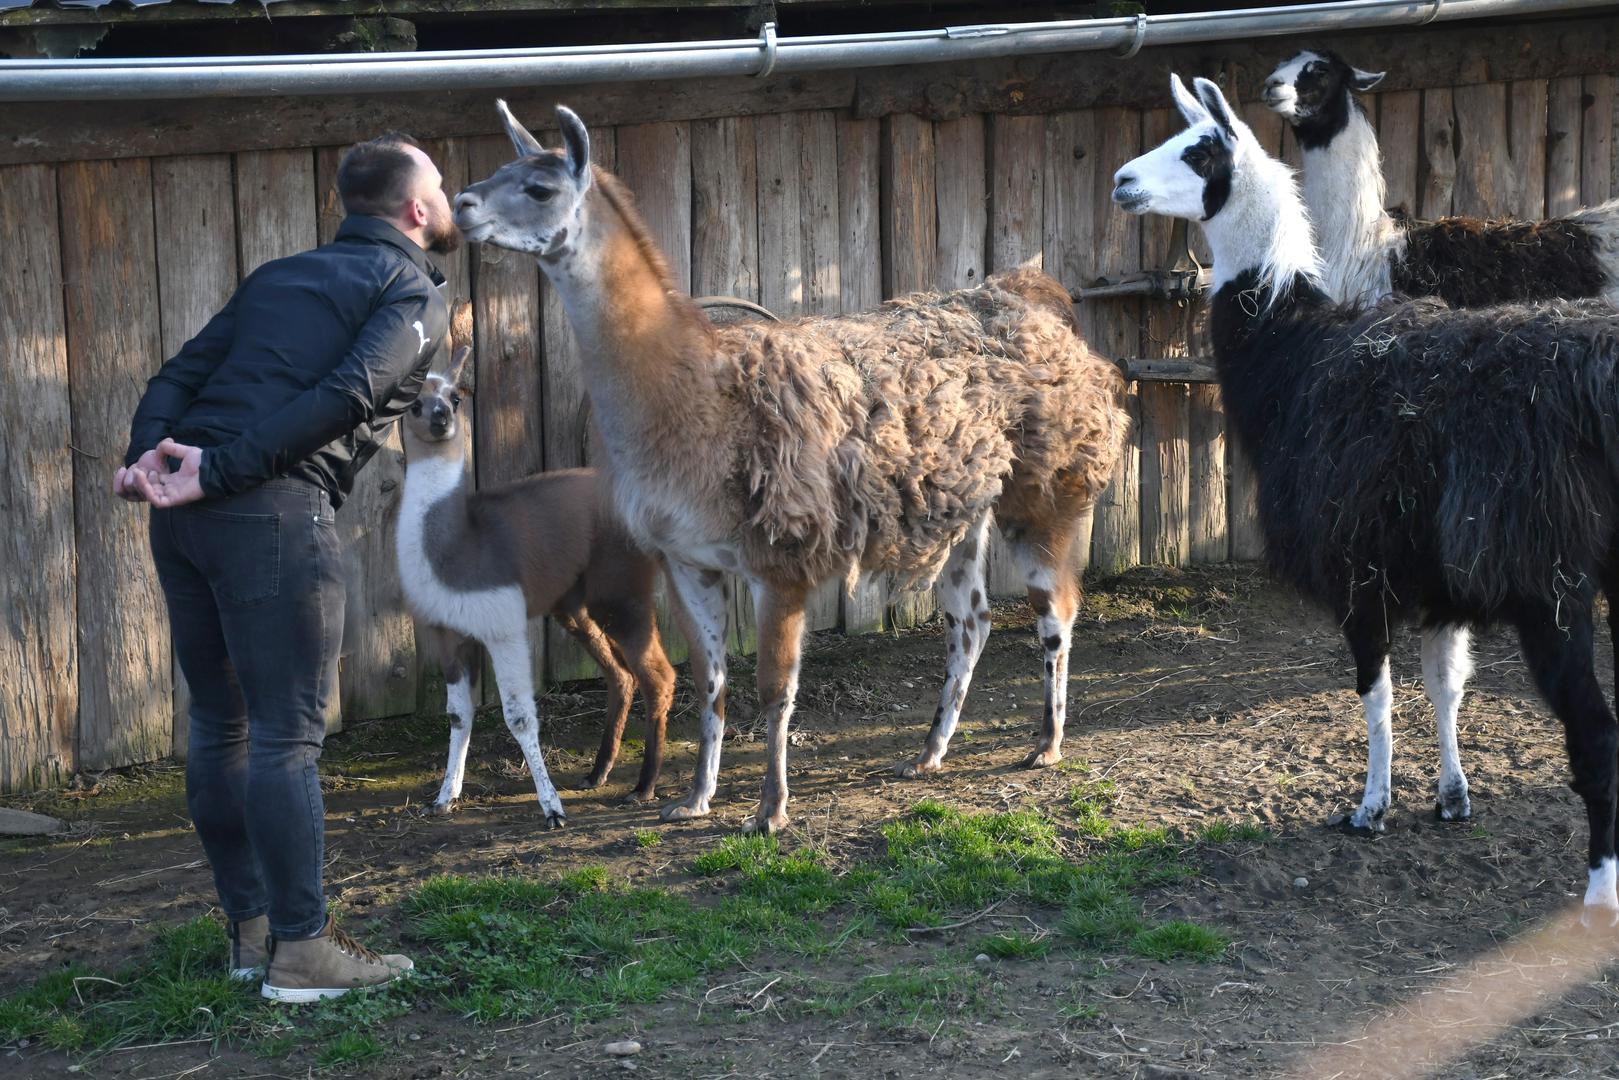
{"type": "Point", "coordinates": [375, 230]}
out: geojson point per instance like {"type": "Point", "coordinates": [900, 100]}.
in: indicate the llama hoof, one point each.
{"type": "Point", "coordinates": [593, 781]}
{"type": "Point", "coordinates": [764, 826]}
{"type": "Point", "coordinates": [555, 820]}
{"type": "Point", "coordinates": [441, 808]}
{"type": "Point", "coordinates": [1599, 917]}
{"type": "Point", "coordinates": [685, 810]}
{"type": "Point", "coordinates": [1453, 806]}
{"type": "Point", "coordinates": [912, 770]}
{"type": "Point", "coordinates": [1359, 823]}
{"type": "Point", "coordinates": [637, 798]}
{"type": "Point", "coordinates": [1042, 759]}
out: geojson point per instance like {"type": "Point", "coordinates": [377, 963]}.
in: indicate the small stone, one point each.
{"type": "Point", "coordinates": [622, 1048]}
{"type": "Point", "coordinates": [981, 958]}
{"type": "Point", "coordinates": [415, 1036]}
{"type": "Point", "coordinates": [1301, 883]}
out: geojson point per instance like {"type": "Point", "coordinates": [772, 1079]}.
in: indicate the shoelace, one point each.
{"type": "Point", "coordinates": [354, 948]}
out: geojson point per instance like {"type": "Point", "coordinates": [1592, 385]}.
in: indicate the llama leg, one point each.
{"type": "Point", "coordinates": [966, 618]}
{"type": "Point", "coordinates": [643, 655]}
{"type": "Point", "coordinates": [1560, 659]}
{"type": "Point", "coordinates": [620, 690]}
{"type": "Point", "coordinates": [514, 671]}
{"type": "Point", "coordinates": [780, 616]}
{"type": "Point", "coordinates": [1445, 667]}
{"type": "Point", "coordinates": [1369, 642]}
{"type": "Point", "coordinates": [702, 598]}
{"type": "Point", "coordinates": [1054, 595]}
{"type": "Point", "coordinates": [457, 657]}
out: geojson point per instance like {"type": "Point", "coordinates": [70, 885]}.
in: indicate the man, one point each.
{"type": "Point", "coordinates": [244, 444]}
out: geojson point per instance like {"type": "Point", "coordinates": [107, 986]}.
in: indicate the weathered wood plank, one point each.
{"type": "Point", "coordinates": [126, 705]}
{"type": "Point", "coordinates": [1112, 326]}
{"type": "Point", "coordinates": [1596, 140]}
{"type": "Point", "coordinates": [725, 261]}
{"type": "Point", "coordinates": [1208, 532]}
{"type": "Point", "coordinates": [194, 219]}
{"type": "Point", "coordinates": [1440, 55]}
{"type": "Point", "coordinates": [1484, 184]}
{"type": "Point", "coordinates": [963, 197]}
{"type": "Point", "coordinates": [1017, 166]}
{"type": "Point", "coordinates": [1165, 407]}
{"type": "Point", "coordinates": [1069, 243]}
{"type": "Point", "coordinates": [910, 232]}
{"type": "Point", "coordinates": [39, 691]}
{"type": "Point", "coordinates": [1563, 123]}
{"type": "Point", "coordinates": [860, 260]}
{"type": "Point", "coordinates": [275, 206]}
{"type": "Point", "coordinates": [1528, 132]}
{"type": "Point", "coordinates": [655, 161]}
{"type": "Point", "coordinates": [1438, 153]}
{"type": "Point", "coordinates": [1399, 120]}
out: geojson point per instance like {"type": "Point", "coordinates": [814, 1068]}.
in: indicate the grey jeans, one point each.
{"type": "Point", "coordinates": [255, 596]}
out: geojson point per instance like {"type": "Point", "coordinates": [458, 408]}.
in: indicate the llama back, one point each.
{"type": "Point", "coordinates": [1468, 262]}
{"type": "Point", "coordinates": [883, 437]}
{"type": "Point", "coordinates": [1462, 508]}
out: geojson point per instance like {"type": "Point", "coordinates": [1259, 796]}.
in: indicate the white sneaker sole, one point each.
{"type": "Point", "coordinates": [304, 996]}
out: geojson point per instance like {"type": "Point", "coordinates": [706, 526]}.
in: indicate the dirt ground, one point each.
{"type": "Point", "coordinates": [1205, 695]}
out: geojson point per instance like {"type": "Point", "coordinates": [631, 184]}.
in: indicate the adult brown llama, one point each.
{"type": "Point", "coordinates": [801, 451]}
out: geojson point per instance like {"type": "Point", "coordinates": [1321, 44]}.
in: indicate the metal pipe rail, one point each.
{"type": "Point", "coordinates": [244, 76]}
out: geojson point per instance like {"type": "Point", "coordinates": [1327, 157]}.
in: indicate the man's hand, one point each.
{"type": "Point", "coordinates": [123, 481]}
{"type": "Point", "coordinates": [165, 489]}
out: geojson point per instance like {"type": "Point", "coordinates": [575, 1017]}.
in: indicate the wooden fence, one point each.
{"type": "Point", "coordinates": [821, 210]}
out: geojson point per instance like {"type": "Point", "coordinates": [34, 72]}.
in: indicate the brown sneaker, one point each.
{"type": "Point", "coordinates": [249, 947]}
{"type": "Point", "coordinates": [328, 965]}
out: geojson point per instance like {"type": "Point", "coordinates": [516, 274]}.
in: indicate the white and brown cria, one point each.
{"type": "Point", "coordinates": [1367, 252]}
{"type": "Point", "coordinates": [797, 452]}
{"type": "Point", "coordinates": [477, 566]}
{"type": "Point", "coordinates": [1415, 461]}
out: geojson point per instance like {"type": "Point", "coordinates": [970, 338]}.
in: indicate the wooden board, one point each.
{"type": "Point", "coordinates": [194, 219]}
{"type": "Point", "coordinates": [910, 233]}
{"type": "Point", "coordinates": [1564, 119]}
{"type": "Point", "coordinates": [562, 425]}
{"type": "Point", "coordinates": [1165, 407]}
{"type": "Point", "coordinates": [275, 206]}
{"type": "Point", "coordinates": [1101, 140]}
{"type": "Point", "coordinates": [1527, 100]}
{"type": "Point", "coordinates": [1399, 121]}
{"type": "Point", "coordinates": [725, 261]}
{"type": "Point", "coordinates": [860, 287]}
{"type": "Point", "coordinates": [1596, 140]}
{"type": "Point", "coordinates": [655, 161]}
{"type": "Point", "coordinates": [1016, 168]}
{"type": "Point", "coordinates": [126, 705]}
{"type": "Point", "coordinates": [1435, 198]}
{"type": "Point", "coordinates": [39, 692]}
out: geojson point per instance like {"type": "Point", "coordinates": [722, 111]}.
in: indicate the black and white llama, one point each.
{"type": "Point", "coordinates": [1453, 466]}
{"type": "Point", "coordinates": [1366, 253]}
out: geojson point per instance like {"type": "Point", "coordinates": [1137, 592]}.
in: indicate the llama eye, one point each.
{"type": "Point", "coordinates": [455, 401]}
{"type": "Point", "coordinates": [539, 192]}
{"type": "Point", "coordinates": [415, 408]}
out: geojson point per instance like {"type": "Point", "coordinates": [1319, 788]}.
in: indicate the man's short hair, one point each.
{"type": "Point", "coordinates": [374, 176]}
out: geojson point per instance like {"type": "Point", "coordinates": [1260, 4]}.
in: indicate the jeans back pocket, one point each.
{"type": "Point", "coordinates": [241, 553]}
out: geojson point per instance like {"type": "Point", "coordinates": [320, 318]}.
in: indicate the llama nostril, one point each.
{"type": "Point", "coordinates": [465, 199]}
{"type": "Point", "coordinates": [1273, 84]}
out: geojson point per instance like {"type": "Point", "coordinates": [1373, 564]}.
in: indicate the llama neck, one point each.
{"type": "Point", "coordinates": [641, 342]}
{"type": "Point", "coordinates": [1262, 234]}
{"type": "Point", "coordinates": [1344, 193]}
{"type": "Point", "coordinates": [436, 485]}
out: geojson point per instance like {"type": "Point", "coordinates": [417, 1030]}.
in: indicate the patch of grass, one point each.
{"type": "Point", "coordinates": [1230, 832]}
{"type": "Point", "coordinates": [1102, 917]}
{"type": "Point", "coordinates": [1008, 945]}
{"type": "Point", "coordinates": [1179, 939]}
{"type": "Point", "coordinates": [797, 883]}
{"type": "Point", "coordinates": [902, 999]}
{"type": "Point", "coordinates": [348, 1048]}
{"type": "Point", "coordinates": [645, 838]}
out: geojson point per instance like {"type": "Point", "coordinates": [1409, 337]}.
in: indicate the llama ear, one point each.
{"type": "Point", "coordinates": [458, 366]}
{"type": "Point", "coordinates": [1191, 108]}
{"type": "Point", "coordinates": [1364, 80]}
{"type": "Point", "coordinates": [461, 322]}
{"type": "Point", "coordinates": [524, 143]}
{"type": "Point", "coordinates": [577, 140]}
{"type": "Point", "coordinates": [1218, 111]}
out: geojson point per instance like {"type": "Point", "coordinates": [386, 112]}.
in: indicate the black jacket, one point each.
{"type": "Point", "coordinates": [313, 357]}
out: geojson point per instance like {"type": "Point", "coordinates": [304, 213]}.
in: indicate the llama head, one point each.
{"type": "Point", "coordinates": [1216, 172]}
{"type": "Point", "coordinates": [1316, 85]}
{"type": "Point", "coordinates": [1190, 175]}
{"type": "Point", "coordinates": [536, 203]}
{"type": "Point", "coordinates": [435, 415]}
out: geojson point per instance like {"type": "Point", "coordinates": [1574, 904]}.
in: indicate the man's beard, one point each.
{"type": "Point", "coordinates": [442, 235]}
